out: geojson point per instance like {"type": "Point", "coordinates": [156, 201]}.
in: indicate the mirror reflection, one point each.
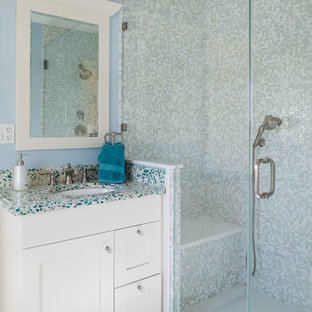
{"type": "Point", "coordinates": [64, 77]}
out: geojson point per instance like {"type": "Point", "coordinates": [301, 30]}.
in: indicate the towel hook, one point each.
{"type": "Point", "coordinates": [113, 134]}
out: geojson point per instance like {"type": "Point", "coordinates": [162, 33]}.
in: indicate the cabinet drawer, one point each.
{"type": "Point", "coordinates": [40, 229]}
{"type": "Point", "coordinates": [137, 253]}
{"type": "Point", "coordinates": [141, 296]}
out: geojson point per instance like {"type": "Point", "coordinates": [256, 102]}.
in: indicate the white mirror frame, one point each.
{"type": "Point", "coordinates": [96, 12]}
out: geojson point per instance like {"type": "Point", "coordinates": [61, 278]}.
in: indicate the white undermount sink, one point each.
{"type": "Point", "coordinates": [87, 191]}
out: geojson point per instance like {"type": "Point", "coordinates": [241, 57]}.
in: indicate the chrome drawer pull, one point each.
{"type": "Point", "coordinates": [140, 288]}
{"type": "Point", "coordinates": [137, 266]}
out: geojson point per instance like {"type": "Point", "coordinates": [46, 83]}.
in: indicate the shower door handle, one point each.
{"type": "Point", "coordinates": [265, 160]}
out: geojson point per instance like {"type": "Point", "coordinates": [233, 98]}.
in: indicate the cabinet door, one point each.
{"type": "Point", "coordinates": [137, 253]}
{"type": "Point", "coordinates": [71, 276]}
{"type": "Point", "coordinates": [141, 296]}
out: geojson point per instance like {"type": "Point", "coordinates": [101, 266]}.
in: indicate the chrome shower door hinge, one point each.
{"type": "Point", "coordinates": [124, 26]}
{"type": "Point", "coordinates": [123, 127]}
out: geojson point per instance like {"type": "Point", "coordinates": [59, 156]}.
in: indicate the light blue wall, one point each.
{"type": "Point", "coordinates": [8, 154]}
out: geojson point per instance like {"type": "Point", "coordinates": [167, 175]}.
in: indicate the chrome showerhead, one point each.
{"type": "Point", "coordinates": [271, 123]}
{"type": "Point", "coordinates": [85, 74]}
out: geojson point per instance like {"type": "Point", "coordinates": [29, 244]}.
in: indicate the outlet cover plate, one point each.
{"type": "Point", "coordinates": [7, 134]}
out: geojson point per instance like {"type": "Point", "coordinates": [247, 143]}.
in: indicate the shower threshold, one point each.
{"type": "Point", "coordinates": [236, 301]}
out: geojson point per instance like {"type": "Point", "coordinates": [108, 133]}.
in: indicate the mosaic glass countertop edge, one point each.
{"type": "Point", "coordinates": [44, 199]}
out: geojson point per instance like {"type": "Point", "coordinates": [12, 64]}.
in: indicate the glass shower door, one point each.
{"type": "Point", "coordinates": [185, 100]}
{"type": "Point", "coordinates": [281, 68]}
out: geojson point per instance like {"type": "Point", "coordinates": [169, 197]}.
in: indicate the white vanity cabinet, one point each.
{"type": "Point", "coordinates": [101, 258]}
{"type": "Point", "coordinates": [76, 275]}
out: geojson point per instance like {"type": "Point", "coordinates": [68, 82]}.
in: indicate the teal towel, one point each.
{"type": "Point", "coordinates": [112, 163]}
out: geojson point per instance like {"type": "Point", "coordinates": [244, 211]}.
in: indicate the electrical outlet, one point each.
{"type": "Point", "coordinates": [7, 134]}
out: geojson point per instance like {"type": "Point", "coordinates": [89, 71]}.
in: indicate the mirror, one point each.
{"type": "Point", "coordinates": [64, 77]}
{"type": "Point", "coordinates": [62, 73]}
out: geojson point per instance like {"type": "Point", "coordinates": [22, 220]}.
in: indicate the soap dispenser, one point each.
{"type": "Point", "coordinates": [20, 178]}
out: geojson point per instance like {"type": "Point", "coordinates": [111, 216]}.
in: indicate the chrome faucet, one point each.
{"type": "Point", "coordinates": [85, 173]}
{"type": "Point", "coordinates": [69, 173]}
{"type": "Point", "coordinates": [52, 174]}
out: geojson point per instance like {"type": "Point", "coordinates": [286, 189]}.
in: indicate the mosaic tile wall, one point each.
{"type": "Point", "coordinates": [173, 102]}
{"type": "Point", "coordinates": [173, 190]}
{"type": "Point", "coordinates": [226, 160]}
{"type": "Point", "coordinates": [211, 268]}
{"type": "Point", "coordinates": [200, 109]}
{"type": "Point", "coordinates": [282, 86]}
{"type": "Point", "coordinates": [65, 93]}
{"type": "Point", "coordinates": [185, 100]}
{"type": "Point", "coordinates": [163, 39]}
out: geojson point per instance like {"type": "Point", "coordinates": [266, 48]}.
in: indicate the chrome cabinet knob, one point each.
{"type": "Point", "coordinates": [140, 232]}
{"type": "Point", "coordinates": [108, 249]}
{"type": "Point", "coordinates": [140, 288]}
